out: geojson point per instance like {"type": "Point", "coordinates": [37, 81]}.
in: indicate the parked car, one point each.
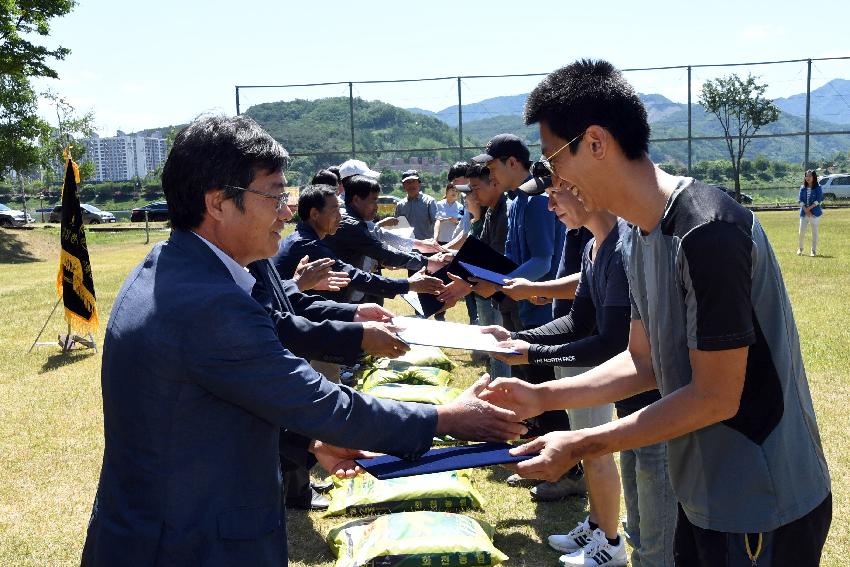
{"type": "Point", "coordinates": [13, 217]}
{"type": "Point", "coordinates": [835, 186]}
{"type": "Point", "coordinates": [745, 199]}
{"type": "Point", "coordinates": [157, 212]}
{"type": "Point", "coordinates": [91, 214]}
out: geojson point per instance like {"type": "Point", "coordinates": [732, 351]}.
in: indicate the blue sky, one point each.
{"type": "Point", "coordinates": [146, 64]}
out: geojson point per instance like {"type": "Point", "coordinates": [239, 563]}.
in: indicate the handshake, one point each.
{"type": "Point", "coordinates": [486, 411]}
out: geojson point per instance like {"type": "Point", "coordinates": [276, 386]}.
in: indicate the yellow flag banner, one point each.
{"type": "Point", "coordinates": [74, 282]}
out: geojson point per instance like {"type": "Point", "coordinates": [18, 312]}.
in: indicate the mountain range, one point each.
{"type": "Point", "coordinates": [830, 111]}
{"type": "Point", "coordinates": [830, 103]}
{"type": "Point", "coordinates": [382, 130]}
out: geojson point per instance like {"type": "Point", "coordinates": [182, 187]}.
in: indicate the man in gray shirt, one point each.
{"type": "Point", "coordinates": [419, 209]}
{"type": "Point", "coordinates": [712, 329]}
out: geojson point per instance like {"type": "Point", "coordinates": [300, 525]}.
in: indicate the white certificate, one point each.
{"type": "Point", "coordinates": [445, 334]}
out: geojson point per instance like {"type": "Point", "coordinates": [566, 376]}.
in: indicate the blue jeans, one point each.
{"type": "Point", "coordinates": [489, 315]}
{"type": "Point", "coordinates": [650, 505]}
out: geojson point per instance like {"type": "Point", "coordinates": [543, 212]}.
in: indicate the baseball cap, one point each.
{"type": "Point", "coordinates": [356, 167]}
{"type": "Point", "coordinates": [503, 146]}
{"type": "Point", "coordinates": [409, 174]}
{"type": "Point", "coordinates": [536, 185]}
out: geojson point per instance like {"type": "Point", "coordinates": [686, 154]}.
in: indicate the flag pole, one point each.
{"type": "Point", "coordinates": [35, 342]}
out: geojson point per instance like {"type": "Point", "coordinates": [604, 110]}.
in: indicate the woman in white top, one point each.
{"type": "Point", "coordinates": [449, 213]}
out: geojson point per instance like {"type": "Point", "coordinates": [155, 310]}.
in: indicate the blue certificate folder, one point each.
{"type": "Point", "coordinates": [484, 274]}
{"type": "Point", "coordinates": [441, 460]}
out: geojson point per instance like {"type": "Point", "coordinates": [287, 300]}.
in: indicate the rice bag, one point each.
{"type": "Point", "coordinates": [417, 356]}
{"type": "Point", "coordinates": [366, 495]}
{"type": "Point", "coordinates": [415, 539]}
{"type": "Point", "coordinates": [436, 395]}
{"type": "Point", "coordinates": [426, 375]}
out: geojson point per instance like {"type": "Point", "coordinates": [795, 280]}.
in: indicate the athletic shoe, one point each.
{"type": "Point", "coordinates": [799, 251]}
{"type": "Point", "coordinates": [573, 541]}
{"type": "Point", "coordinates": [552, 491]}
{"type": "Point", "coordinates": [814, 253]}
{"type": "Point", "coordinates": [597, 553]}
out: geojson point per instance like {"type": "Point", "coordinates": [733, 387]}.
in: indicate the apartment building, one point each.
{"type": "Point", "coordinates": [124, 157]}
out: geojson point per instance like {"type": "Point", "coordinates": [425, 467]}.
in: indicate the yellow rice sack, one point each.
{"type": "Point", "coordinates": [366, 495]}
{"type": "Point", "coordinates": [415, 539]}
{"type": "Point", "coordinates": [436, 395]}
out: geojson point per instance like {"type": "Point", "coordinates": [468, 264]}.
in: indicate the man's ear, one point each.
{"type": "Point", "coordinates": [598, 140]}
{"type": "Point", "coordinates": [314, 214]}
{"type": "Point", "coordinates": [214, 201]}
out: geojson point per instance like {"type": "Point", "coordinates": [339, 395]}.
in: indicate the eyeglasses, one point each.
{"type": "Point", "coordinates": [281, 199]}
{"type": "Point", "coordinates": [546, 163]}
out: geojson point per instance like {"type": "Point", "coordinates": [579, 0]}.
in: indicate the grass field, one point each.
{"type": "Point", "coordinates": [51, 435]}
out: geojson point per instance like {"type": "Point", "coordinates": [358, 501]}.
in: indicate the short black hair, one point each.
{"type": "Point", "coordinates": [334, 169]}
{"type": "Point", "coordinates": [313, 197]}
{"type": "Point", "coordinates": [359, 186]}
{"type": "Point", "coordinates": [458, 170]}
{"type": "Point", "coordinates": [587, 93]}
{"type": "Point", "coordinates": [211, 153]}
{"type": "Point", "coordinates": [325, 177]}
{"type": "Point", "coordinates": [478, 171]}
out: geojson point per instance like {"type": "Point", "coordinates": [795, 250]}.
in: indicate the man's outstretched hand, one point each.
{"type": "Point", "coordinates": [558, 452]}
{"type": "Point", "coordinates": [338, 460]}
{"type": "Point", "coordinates": [372, 312]}
{"type": "Point", "coordinates": [471, 418]}
{"type": "Point", "coordinates": [518, 396]}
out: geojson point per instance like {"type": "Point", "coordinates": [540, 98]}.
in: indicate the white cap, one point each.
{"type": "Point", "coordinates": [356, 167]}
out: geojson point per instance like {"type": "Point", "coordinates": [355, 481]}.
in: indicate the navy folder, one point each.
{"type": "Point", "coordinates": [441, 460]}
{"type": "Point", "coordinates": [485, 274]}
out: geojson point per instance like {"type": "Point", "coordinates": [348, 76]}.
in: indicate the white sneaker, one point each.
{"type": "Point", "coordinates": [573, 541]}
{"type": "Point", "coordinates": [597, 553]}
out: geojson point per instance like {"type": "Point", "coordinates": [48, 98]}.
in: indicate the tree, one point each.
{"type": "Point", "coordinates": [742, 109]}
{"type": "Point", "coordinates": [21, 23]}
{"type": "Point", "coordinates": [70, 127]}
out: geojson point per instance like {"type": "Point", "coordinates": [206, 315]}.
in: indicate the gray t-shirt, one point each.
{"type": "Point", "coordinates": [706, 278]}
{"type": "Point", "coordinates": [421, 213]}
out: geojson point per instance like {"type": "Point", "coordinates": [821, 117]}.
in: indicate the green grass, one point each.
{"type": "Point", "coordinates": [51, 437]}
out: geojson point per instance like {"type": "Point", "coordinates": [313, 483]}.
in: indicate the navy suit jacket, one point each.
{"type": "Point", "coordinates": [196, 387]}
{"type": "Point", "coordinates": [310, 326]}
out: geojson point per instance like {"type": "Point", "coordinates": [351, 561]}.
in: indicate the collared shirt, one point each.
{"type": "Point", "coordinates": [421, 214]}
{"type": "Point", "coordinates": [535, 241]}
{"type": "Point", "coordinates": [239, 273]}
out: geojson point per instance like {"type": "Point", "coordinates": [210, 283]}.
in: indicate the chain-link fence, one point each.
{"type": "Point", "coordinates": [451, 118]}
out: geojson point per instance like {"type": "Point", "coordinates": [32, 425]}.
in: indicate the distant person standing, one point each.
{"type": "Point", "coordinates": [449, 213]}
{"type": "Point", "coordinates": [419, 209]}
{"type": "Point", "coordinates": [811, 196]}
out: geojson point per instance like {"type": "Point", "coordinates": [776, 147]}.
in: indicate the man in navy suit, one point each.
{"type": "Point", "coordinates": [196, 384]}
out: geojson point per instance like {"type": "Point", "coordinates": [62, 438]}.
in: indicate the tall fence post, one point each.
{"type": "Point", "coordinates": [351, 114]}
{"type": "Point", "coordinates": [808, 109]}
{"type": "Point", "coordinates": [459, 121]}
{"type": "Point", "coordinates": [689, 121]}
{"type": "Point", "coordinates": [237, 101]}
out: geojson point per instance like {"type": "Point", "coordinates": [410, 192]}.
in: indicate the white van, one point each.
{"type": "Point", "coordinates": [835, 186]}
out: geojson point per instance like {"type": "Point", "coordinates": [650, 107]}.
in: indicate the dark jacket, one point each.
{"type": "Point", "coordinates": [196, 387]}
{"type": "Point", "coordinates": [354, 241]}
{"type": "Point", "coordinates": [305, 242]}
{"type": "Point", "coordinates": [307, 324]}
